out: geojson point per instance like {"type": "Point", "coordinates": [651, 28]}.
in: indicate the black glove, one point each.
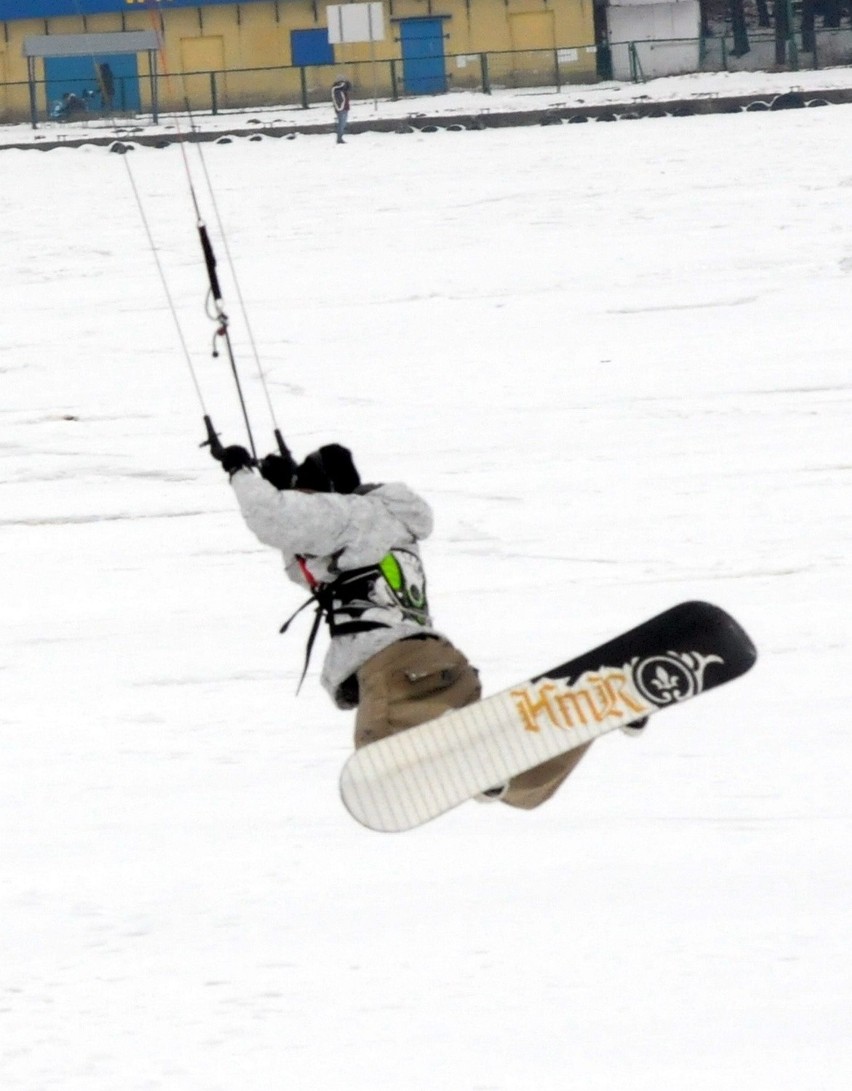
{"type": "Point", "coordinates": [279, 470]}
{"type": "Point", "coordinates": [235, 458]}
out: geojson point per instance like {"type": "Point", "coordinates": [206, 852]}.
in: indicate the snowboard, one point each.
{"type": "Point", "coordinates": [410, 778]}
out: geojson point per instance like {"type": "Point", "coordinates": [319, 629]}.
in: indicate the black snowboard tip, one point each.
{"type": "Point", "coordinates": [716, 619]}
{"type": "Point", "coordinates": [692, 628]}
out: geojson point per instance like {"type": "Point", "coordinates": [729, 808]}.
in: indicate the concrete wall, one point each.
{"type": "Point", "coordinates": [672, 28]}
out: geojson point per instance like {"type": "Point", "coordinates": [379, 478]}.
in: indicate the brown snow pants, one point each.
{"type": "Point", "coordinates": [416, 680]}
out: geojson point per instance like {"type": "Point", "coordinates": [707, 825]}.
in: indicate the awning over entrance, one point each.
{"type": "Point", "coordinates": [91, 45]}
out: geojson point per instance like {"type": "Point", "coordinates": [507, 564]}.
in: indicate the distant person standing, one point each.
{"type": "Point", "coordinates": [340, 101]}
{"type": "Point", "coordinates": [106, 80]}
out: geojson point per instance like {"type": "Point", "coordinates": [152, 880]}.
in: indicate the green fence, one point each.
{"type": "Point", "coordinates": [545, 69]}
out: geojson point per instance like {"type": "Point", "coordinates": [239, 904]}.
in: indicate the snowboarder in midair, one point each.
{"type": "Point", "coordinates": [355, 547]}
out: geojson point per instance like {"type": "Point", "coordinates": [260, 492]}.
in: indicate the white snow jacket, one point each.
{"type": "Point", "coordinates": [334, 534]}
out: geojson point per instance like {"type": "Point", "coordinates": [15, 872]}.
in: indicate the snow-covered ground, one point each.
{"type": "Point", "coordinates": [616, 360]}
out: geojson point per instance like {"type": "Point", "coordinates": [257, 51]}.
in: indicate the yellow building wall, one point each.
{"type": "Point", "coordinates": [555, 37]}
{"type": "Point", "coordinates": [15, 100]}
{"type": "Point", "coordinates": [264, 43]}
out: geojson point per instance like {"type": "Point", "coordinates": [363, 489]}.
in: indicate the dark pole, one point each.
{"type": "Point", "coordinates": [152, 72]}
{"type": "Point", "coordinates": [31, 83]}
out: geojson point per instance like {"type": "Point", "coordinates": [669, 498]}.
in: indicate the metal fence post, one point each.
{"type": "Point", "coordinates": [792, 48]}
{"type": "Point", "coordinates": [636, 73]}
{"type": "Point", "coordinates": [32, 91]}
{"type": "Point", "coordinates": [556, 70]}
{"type": "Point", "coordinates": [214, 104]}
{"type": "Point", "coordinates": [303, 83]}
{"type": "Point", "coordinates": [486, 81]}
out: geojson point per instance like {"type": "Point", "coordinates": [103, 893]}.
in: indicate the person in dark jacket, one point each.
{"type": "Point", "coordinates": [106, 82]}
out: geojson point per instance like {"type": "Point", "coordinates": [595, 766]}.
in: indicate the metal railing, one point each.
{"type": "Point", "coordinates": [288, 86]}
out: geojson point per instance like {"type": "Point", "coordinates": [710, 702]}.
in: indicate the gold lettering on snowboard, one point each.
{"type": "Point", "coordinates": [595, 697]}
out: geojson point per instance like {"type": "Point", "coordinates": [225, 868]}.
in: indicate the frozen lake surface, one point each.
{"type": "Point", "coordinates": [615, 359]}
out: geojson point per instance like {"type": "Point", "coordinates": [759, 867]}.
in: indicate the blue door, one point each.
{"type": "Point", "coordinates": [310, 47]}
{"type": "Point", "coordinates": [423, 69]}
{"type": "Point", "coordinates": [79, 75]}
